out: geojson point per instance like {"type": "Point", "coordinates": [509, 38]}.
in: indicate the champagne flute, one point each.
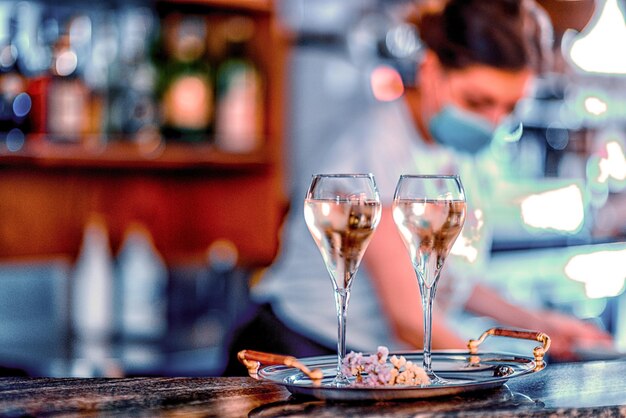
{"type": "Point", "coordinates": [342, 211]}
{"type": "Point", "coordinates": [429, 212]}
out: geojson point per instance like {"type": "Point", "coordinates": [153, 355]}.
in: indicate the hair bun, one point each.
{"type": "Point", "coordinates": [507, 34]}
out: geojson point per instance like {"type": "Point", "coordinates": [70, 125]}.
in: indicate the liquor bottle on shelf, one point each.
{"type": "Point", "coordinates": [132, 108]}
{"type": "Point", "coordinates": [184, 84]}
{"type": "Point", "coordinates": [67, 110]}
{"type": "Point", "coordinates": [240, 91]}
{"type": "Point", "coordinates": [15, 102]}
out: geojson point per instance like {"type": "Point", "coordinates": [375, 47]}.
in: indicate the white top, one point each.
{"type": "Point", "coordinates": [384, 142]}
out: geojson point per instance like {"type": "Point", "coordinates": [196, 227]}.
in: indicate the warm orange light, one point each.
{"type": "Point", "coordinates": [386, 83]}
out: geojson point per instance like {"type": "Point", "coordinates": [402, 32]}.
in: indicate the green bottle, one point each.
{"type": "Point", "coordinates": [240, 113]}
{"type": "Point", "coordinates": [185, 86]}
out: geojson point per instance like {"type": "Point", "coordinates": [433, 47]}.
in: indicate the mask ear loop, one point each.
{"type": "Point", "coordinates": [509, 131]}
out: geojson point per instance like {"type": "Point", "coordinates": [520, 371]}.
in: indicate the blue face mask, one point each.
{"type": "Point", "coordinates": [461, 130]}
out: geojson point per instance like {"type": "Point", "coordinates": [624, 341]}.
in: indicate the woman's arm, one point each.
{"type": "Point", "coordinates": [566, 332]}
{"type": "Point", "coordinates": [394, 279]}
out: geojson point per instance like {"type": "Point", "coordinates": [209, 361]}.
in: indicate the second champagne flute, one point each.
{"type": "Point", "coordinates": [429, 212]}
{"type": "Point", "coordinates": [342, 211]}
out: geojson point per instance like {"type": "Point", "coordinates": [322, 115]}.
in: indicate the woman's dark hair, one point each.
{"type": "Point", "coordinates": [506, 34]}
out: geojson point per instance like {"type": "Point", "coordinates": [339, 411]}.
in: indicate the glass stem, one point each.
{"type": "Point", "coordinates": [428, 295]}
{"type": "Point", "coordinates": [342, 297]}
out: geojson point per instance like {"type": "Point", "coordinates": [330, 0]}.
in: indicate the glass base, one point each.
{"type": "Point", "coordinates": [339, 381]}
{"type": "Point", "coordinates": [436, 380]}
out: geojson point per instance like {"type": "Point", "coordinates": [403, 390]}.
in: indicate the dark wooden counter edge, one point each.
{"type": "Point", "coordinates": [596, 389]}
{"type": "Point", "coordinates": [45, 396]}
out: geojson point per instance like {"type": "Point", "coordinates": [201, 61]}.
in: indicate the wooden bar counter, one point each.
{"type": "Point", "coordinates": [592, 389]}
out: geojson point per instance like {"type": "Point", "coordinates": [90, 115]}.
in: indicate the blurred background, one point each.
{"type": "Point", "coordinates": [148, 150]}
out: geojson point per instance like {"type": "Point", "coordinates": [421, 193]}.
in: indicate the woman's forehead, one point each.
{"type": "Point", "coordinates": [504, 85]}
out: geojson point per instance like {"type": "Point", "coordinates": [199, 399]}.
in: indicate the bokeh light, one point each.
{"type": "Point", "coordinates": [386, 83]}
{"type": "Point", "coordinates": [592, 52]}
{"type": "Point", "coordinates": [561, 209]}
{"type": "Point", "coordinates": [602, 272]}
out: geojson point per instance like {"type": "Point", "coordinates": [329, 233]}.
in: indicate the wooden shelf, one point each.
{"type": "Point", "coordinates": [188, 195]}
{"type": "Point", "coordinates": [128, 155]}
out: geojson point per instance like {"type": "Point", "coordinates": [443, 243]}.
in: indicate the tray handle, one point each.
{"type": "Point", "coordinates": [539, 352]}
{"type": "Point", "coordinates": [253, 360]}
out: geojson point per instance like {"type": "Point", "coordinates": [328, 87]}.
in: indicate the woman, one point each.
{"type": "Point", "coordinates": [480, 60]}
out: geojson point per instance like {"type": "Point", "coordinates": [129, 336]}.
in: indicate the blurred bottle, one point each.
{"type": "Point", "coordinates": [98, 63]}
{"type": "Point", "coordinates": [92, 285]}
{"type": "Point", "coordinates": [143, 280]}
{"type": "Point", "coordinates": [240, 91]}
{"type": "Point", "coordinates": [222, 257]}
{"type": "Point", "coordinates": [66, 109]}
{"type": "Point", "coordinates": [15, 102]}
{"type": "Point", "coordinates": [211, 288]}
{"type": "Point", "coordinates": [132, 79]}
{"type": "Point", "coordinates": [184, 83]}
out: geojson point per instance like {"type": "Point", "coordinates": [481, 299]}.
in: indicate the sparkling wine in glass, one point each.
{"type": "Point", "coordinates": [342, 211]}
{"type": "Point", "coordinates": [429, 212]}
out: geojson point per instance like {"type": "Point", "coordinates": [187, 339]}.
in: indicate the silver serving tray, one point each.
{"type": "Point", "coordinates": [464, 372]}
